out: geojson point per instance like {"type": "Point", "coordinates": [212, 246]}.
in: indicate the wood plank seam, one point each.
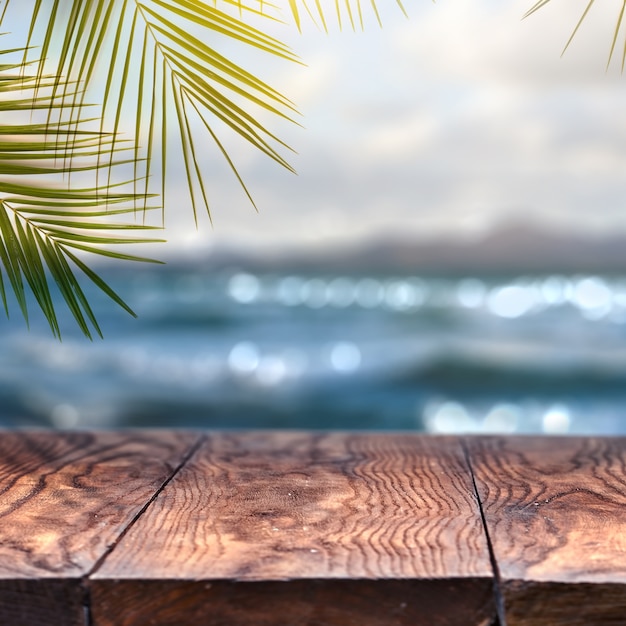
{"type": "Point", "coordinates": [497, 584]}
{"type": "Point", "coordinates": [555, 512]}
{"type": "Point", "coordinates": [285, 528]}
{"type": "Point", "coordinates": [85, 580]}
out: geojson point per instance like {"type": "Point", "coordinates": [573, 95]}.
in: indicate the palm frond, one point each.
{"type": "Point", "coordinates": [618, 29]}
{"type": "Point", "coordinates": [351, 11]}
{"type": "Point", "coordinates": [46, 223]}
{"type": "Point", "coordinates": [162, 58]}
{"type": "Point", "coordinates": [157, 70]}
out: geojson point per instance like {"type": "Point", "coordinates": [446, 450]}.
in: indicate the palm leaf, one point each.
{"type": "Point", "coordinates": [350, 10]}
{"type": "Point", "coordinates": [162, 56]}
{"type": "Point", "coordinates": [164, 65]}
{"type": "Point", "coordinates": [163, 61]}
{"type": "Point", "coordinates": [616, 31]}
{"type": "Point", "coordinates": [44, 220]}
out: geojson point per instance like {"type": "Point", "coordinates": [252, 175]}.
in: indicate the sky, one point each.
{"type": "Point", "coordinates": [447, 123]}
{"type": "Point", "coordinates": [450, 122]}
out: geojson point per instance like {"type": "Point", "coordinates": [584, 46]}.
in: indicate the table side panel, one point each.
{"type": "Point", "coordinates": [327, 602]}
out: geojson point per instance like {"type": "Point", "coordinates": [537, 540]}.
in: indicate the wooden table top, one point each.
{"type": "Point", "coordinates": [296, 528]}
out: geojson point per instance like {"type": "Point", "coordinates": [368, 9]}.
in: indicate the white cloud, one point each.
{"type": "Point", "coordinates": [488, 41]}
{"type": "Point", "coordinates": [453, 120]}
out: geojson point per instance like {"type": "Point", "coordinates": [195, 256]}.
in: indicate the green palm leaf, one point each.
{"type": "Point", "coordinates": [164, 71]}
{"type": "Point", "coordinates": [163, 63]}
{"type": "Point", "coordinates": [352, 10]}
{"type": "Point", "coordinates": [619, 22]}
{"type": "Point", "coordinates": [44, 221]}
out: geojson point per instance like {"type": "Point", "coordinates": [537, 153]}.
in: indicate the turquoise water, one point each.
{"type": "Point", "coordinates": [236, 349]}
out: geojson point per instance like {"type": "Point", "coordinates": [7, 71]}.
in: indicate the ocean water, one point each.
{"type": "Point", "coordinates": [236, 349]}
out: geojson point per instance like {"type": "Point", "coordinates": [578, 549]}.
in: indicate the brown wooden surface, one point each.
{"type": "Point", "coordinates": [555, 510]}
{"type": "Point", "coordinates": [306, 529]}
{"type": "Point", "coordinates": [329, 513]}
{"type": "Point", "coordinates": [64, 500]}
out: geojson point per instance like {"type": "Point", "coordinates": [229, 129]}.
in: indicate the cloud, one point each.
{"type": "Point", "coordinates": [461, 117]}
{"type": "Point", "coordinates": [488, 41]}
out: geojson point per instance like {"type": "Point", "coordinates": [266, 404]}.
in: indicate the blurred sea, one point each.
{"type": "Point", "coordinates": [234, 349]}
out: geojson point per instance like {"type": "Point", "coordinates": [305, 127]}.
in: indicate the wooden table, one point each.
{"type": "Point", "coordinates": [310, 529]}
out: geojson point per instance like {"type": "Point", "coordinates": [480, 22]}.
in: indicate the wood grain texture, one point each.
{"type": "Point", "coordinates": [310, 507]}
{"type": "Point", "coordinates": [555, 510]}
{"type": "Point", "coordinates": [64, 500]}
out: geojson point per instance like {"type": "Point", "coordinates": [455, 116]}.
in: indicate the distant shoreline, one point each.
{"type": "Point", "coordinates": [513, 250]}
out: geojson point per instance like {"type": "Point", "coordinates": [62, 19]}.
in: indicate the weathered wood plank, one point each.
{"type": "Point", "coordinates": [330, 602]}
{"type": "Point", "coordinates": [298, 529]}
{"type": "Point", "coordinates": [64, 500]}
{"type": "Point", "coordinates": [556, 515]}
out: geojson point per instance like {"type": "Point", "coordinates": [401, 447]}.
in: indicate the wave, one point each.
{"type": "Point", "coordinates": [467, 377]}
{"type": "Point", "coordinates": [248, 352]}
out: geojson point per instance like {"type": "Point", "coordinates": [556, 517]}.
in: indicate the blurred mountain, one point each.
{"type": "Point", "coordinates": [511, 249]}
